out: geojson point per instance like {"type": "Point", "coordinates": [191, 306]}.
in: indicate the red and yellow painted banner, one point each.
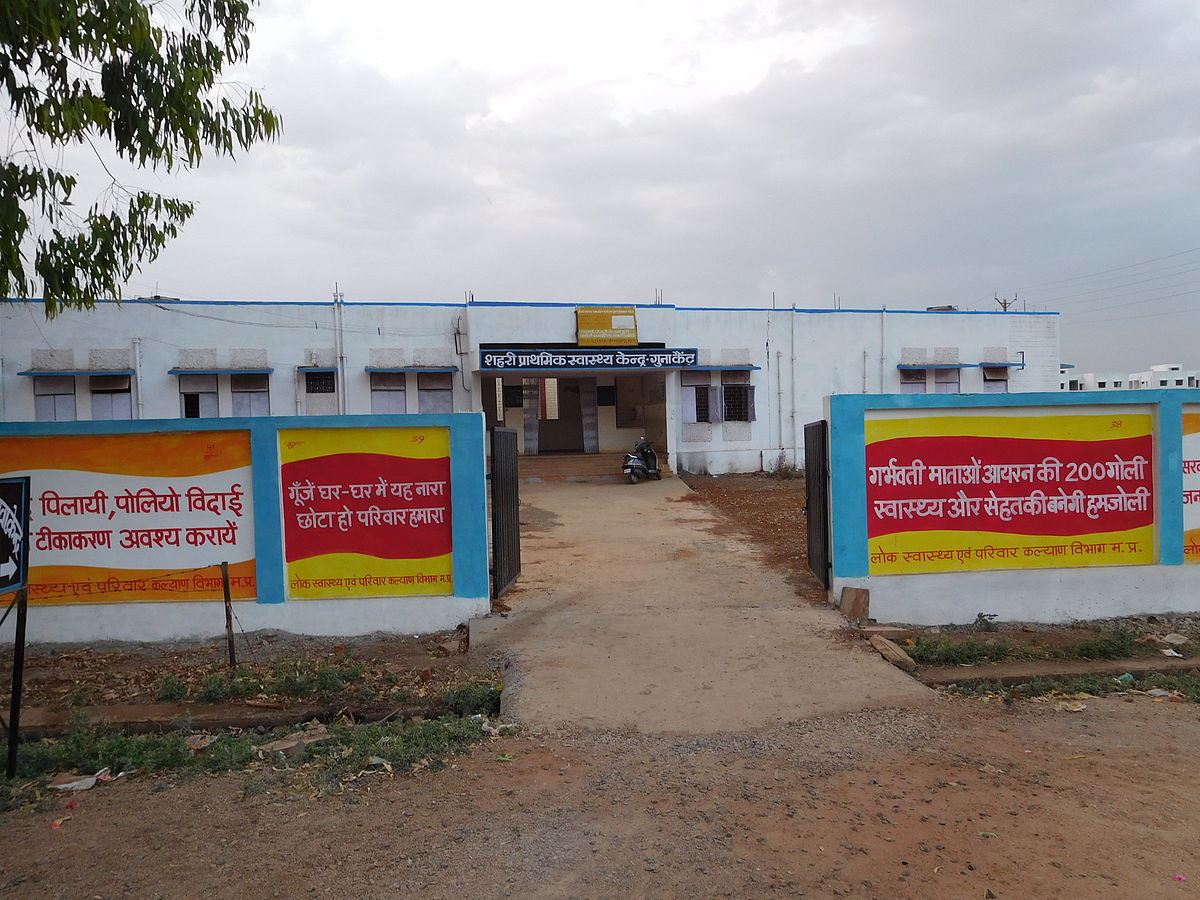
{"type": "Point", "coordinates": [366, 512]}
{"type": "Point", "coordinates": [947, 492]}
{"type": "Point", "coordinates": [1191, 483]}
{"type": "Point", "coordinates": [136, 517]}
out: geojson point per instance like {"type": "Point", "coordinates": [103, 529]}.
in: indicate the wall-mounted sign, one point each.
{"type": "Point", "coordinates": [1191, 483]}
{"type": "Point", "coordinates": [136, 517]}
{"type": "Point", "coordinates": [14, 527]}
{"type": "Point", "coordinates": [971, 491]}
{"type": "Point", "coordinates": [366, 512]}
{"type": "Point", "coordinates": [525, 359]}
{"type": "Point", "coordinates": [606, 326]}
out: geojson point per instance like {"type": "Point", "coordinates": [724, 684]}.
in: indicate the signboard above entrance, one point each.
{"type": "Point", "coordinates": [606, 326]}
{"type": "Point", "coordinates": [570, 358]}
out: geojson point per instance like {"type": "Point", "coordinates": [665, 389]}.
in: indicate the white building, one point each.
{"type": "Point", "coordinates": [1165, 375]}
{"type": "Point", "coordinates": [732, 395]}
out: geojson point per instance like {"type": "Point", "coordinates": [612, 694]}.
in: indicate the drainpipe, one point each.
{"type": "Point", "coordinates": [864, 377]}
{"type": "Point", "coordinates": [296, 390]}
{"type": "Point", "coordinates": [137, 376]}
{"type": "Point", "coordinates": [882, 357]}
{"type": "Point", "coordinates": [340, 344]}
{"type": "Point", "coordinates": [795, 431]}
{"type": "Point", "coordinates": [779, 382]}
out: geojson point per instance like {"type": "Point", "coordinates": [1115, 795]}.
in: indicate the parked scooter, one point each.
{"type": "Point", "coordinates": [642, 463]}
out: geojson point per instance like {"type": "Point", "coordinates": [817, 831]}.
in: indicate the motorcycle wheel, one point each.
{"type": "Point", "coordinates": [634, 477]}
{"type": "Point", "coordinates": [658, 476]}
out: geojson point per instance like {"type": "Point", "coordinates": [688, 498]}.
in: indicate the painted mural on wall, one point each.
{"type": "Point", "coordinates": [1191, 483]}
{"type": "Point", "coordinates": [136, 517]}
{"type": "Point", "coordinates": [972, 490]}
{"type": "Point", "coordinates": [366, 511]}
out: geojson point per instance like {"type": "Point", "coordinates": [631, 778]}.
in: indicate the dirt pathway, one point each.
{"type": "Point", "coordinates": [639, 608]}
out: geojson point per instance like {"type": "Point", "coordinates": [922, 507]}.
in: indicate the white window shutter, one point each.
{"type": "Point", "coordinates": [689, 404]}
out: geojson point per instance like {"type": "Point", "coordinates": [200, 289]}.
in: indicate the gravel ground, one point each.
{"type": "Point", "coordinates": [960, 798]}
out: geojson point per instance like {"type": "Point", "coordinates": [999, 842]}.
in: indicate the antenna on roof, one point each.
{"type": "Point", "coordinates": [1005, 304]}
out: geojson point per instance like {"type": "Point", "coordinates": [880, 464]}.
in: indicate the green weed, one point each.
{"type": "Point", "coordinates": [222, 687]}
{"type": "Point", "coordinates": [301, 679]}
{"type": "Point", "coordinates": [1100, 685]}
{"type": "Point", "coordinates": [477, 697]}
{"type": "Point", "coordinates": [91, 748]}
{"type": "Point", "coordinates": [172, 688]}
{"type": "Point", "coordinates": [945, 651]}
{"type": "Point", "coordinates": [402, 744]}
{"type": "Point", "coordinates": [1106, 645]}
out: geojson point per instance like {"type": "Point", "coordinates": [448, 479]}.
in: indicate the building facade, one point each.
{"type": "Point", "coordinates": [1164, 375]}
{"type": "Point", "coordinates": [718, 390]}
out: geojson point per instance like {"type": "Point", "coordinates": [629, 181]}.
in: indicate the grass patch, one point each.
{"type": "Point", "coordinates": [1100, 685]}
{"type": "Point", "coordinates": [349, 753]}
{"type": "Point", "coordinates": [90, 748]}
{"type": "Point", "coordinates": [1106, 645]}
{"type": "Point", "coordinates": [402, 744]}
{"type": "Point", "coordinates": [172, 689]}
{"type": "Point", "coordinates": [302, 679]}
{"type": "Point", "coordinates": [945, 651]}
{"type": "Point", "coordinates": [785, 470]}
{"type": "Point", "coordinates": [223, 687]}
{"type": "Point", "coordinates": [469, 699]}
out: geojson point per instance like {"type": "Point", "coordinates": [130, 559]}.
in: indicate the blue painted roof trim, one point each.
{"type": "Point", "coordinates": [982, 365]}
{"type": "Point", "coordinates": [178, 371]}
{"type": "Point", "coordinates": [569, 373]}
{"type": "Point", "coordinates": [79, 372]}
{"type": "Point", "coordinates": [411, 369]}
{"type": "Point", "coordinates": [559, 304]}
{"type": "Point", "coordinates": [316, 368]}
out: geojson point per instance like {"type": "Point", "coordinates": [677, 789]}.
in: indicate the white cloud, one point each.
{"type": "Point", "coordinates": [907, 153]}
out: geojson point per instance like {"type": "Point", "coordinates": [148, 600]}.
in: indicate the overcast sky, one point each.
{"type": "Point", "coordinates": [895, 153]}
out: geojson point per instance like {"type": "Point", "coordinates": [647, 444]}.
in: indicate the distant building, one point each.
{"type": "Point", "coordinates": [1164, 375]}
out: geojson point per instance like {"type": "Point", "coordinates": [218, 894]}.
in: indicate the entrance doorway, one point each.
{"type": "Point", "coordinates": [560, 419]}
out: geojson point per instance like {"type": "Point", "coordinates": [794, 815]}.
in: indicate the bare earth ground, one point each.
{"type": "Point", "coordinates": [958, 798]}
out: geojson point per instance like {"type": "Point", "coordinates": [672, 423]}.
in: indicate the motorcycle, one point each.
{"type": "Point", "coordinates": [642, 463]}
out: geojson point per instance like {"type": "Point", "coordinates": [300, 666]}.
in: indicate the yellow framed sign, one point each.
{"type": "Point", "coordinates": [606, 326]}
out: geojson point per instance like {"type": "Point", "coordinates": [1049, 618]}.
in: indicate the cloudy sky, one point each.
{"type": "Point", "coordinates": [900, 152]}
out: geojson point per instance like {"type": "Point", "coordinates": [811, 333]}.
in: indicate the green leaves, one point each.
{"type": "Point", "coordinates": [71, 71]}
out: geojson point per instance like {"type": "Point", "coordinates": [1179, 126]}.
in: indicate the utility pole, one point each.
{"type": "Point", "coordinates": [1005, 304]}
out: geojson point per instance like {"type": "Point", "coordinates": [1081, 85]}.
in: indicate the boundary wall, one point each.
{"type": "Point", "coordinates": [1035, 507]}
{"type": "Point", "coordinates": [331, 525]}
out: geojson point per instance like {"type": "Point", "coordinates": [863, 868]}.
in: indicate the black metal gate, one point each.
{"type": "Point", "coordinates": [506, 507]}
{"type": "Point", "coordinates": [816, 498]}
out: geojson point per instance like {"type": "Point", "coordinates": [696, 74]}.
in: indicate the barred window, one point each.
{"type": "Point", "coordinates": [738, 396]}
{"type": "Point", "coordinates": [320, 382]}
